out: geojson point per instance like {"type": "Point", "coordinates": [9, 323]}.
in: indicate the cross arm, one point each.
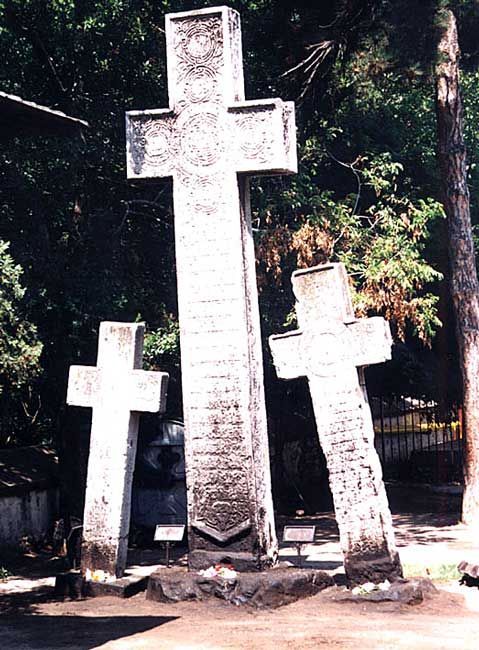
{"type": "Point", "coordinates": [150, 139]}
{"type": "Point", "coordinates": [83, 385]}
{"type": "Point", "coordinates": [263, 136]}
{"type": "Point", "coordinates": [147, 391]}
{"type": "Point", "coordinates": [372, 340]}
{"type": "Point", "coordinates": [286, 352]}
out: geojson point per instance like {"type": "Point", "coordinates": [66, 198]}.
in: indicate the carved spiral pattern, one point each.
{"type": "Point", "coordinates": [252, 141]}
{"type": "Point", "coordinates": [200, 193]}
{"type": "Point", "coordinates": [199, 84]}
{"type": "Point", "coordinates": [224, 502]}
{"type": "Point", "coordinates": [157, 142]}
{"type": "Point", "coordinates": [199, 42]}
{"type": "Point", "coordinates": [331, 346]}
{"type": "Point", "coordinates": [223, 516]}
{"type": "Point", "coordinates": [205, 196]}
{"type": "Point", "coordinates": [200, 140]}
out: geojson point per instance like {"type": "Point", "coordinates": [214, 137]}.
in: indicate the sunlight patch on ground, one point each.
{"type": "Point", "coordinates": [20, 585]}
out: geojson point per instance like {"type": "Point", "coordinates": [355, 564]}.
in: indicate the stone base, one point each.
{"type": "Point", "coordinates": [241, 561]}
{"type": "Point", "coordinates": [377, 569]}
{"type": "Point", "coordinates": [408, 592]}
{"type": "Point", "coordinates": [272, 588]}
{"type": "Point", "coordinates": [69, 585]}
{"type": "Point", "coordinates": [73, 585]}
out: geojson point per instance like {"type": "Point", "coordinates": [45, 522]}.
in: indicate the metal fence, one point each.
{"type": "Point", "coordinates": [415, 441]}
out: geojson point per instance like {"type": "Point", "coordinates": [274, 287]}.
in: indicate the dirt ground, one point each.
{"type": "Point", "coordinates": [441, 622]}
{"type": "Point", "coordinates": [428, 536]}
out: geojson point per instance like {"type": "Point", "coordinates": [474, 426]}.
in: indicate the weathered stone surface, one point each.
{"type": "Point", "coordinates": [207, 136]}
{"type": "Point", "coordinates": [331, 349]}
{"type": "Point", "coordinates": [408, 592]}
{"type": "Point", "coordinates": [117, 390]}
{"type": "Point", "coordinates": [271, 588]}
{"type": "Point", "coordinates": [242, 561]}
{"type": "Point", "coordinates": [280, 586]}
{"type": "Point", "coordinates": [29, 496]}
{"type": "Point", "coordinates": [121, 588]}
{"type": "Point", "coordinates": [72, 584]}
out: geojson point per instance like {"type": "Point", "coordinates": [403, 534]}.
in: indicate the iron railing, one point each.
{"type": "Point", "coordinates": [416, 440]}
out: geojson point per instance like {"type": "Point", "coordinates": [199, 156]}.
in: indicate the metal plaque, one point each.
{"type": "Point", "coordinates": [299, 534]}
{"type": "Point", "coordinates": [169, 533]}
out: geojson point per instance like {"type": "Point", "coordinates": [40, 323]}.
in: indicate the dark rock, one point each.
{"type": "Point", "coordinates": [271, 588]}
{"type": "Point", "coordinates": [279, 587]}
{"type": "Point", "coordinates": [378, 568]}
{"type": "Point", "coordinates": [69, 585]}
{"type": "Point", "coordinates": [408, 592]}
{"type": "Point", "coordinates": [173, 585]}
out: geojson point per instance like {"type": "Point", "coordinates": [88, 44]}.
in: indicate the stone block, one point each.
{"type": "Point", "coordinates": [265, 589]}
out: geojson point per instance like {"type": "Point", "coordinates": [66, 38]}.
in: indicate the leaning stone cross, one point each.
{"type": "Point", "coordinates": [207, 140]}
{"type": "Point", "coordinates": [331, 349]}
{"type": "Point", "coordinates": [117, 390]}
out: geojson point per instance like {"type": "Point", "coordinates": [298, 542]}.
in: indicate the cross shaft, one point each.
{"type": "Point", "coordinates": [207, 140]}
{"type": "Point", "coordinates": [117, 390]}
{"type": "Point", "coordinates": [331, 349]}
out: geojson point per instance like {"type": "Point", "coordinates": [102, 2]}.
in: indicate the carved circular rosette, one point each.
{"type": "Point", "coordinates": [201, 194]}
{"type": "Point", "coordinates": [199, 84]}
{"type": "Point", "coordinates": [157, 138]}
{"type": "Point", "coordinates": [199, 40]}
{"type": "Point", "coordinates": [201, 139]}
{"type": "Point", "coordinates": [254, 138]}
{"type": "Point", "coordinates": [326, 350]}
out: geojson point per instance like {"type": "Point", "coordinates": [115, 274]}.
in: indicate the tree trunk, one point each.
{"type": "Point", "coordinates": [463, 280]}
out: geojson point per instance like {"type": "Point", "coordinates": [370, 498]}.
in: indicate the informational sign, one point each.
{"type": "Point", "coordinates": [169, 533]}
{"type": "Point", "coordinates": [299, 534]}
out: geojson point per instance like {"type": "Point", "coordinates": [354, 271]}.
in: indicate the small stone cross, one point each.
{"type": "Point", "coordinates": [331, 349]}
{"type": "Point", "coordinates": [208, 140]}
{"type": "Point", "coordinates": [117, 390]}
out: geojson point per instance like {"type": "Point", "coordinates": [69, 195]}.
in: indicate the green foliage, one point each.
{"type": "Point", "coordinates": [438, 572]}
{"type": "Point", "coordinates": [4, 573]}
{"type": "Point", "coordinates": [162, 345]}
{"type": "Point", "coordinates": [94, 246]}
{"type": "Point", "coordinates": [381, 246]}
{"type": "Point", "coordinates": [19, 346]}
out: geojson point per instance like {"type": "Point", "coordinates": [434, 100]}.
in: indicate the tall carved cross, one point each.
{"type": "Point", "coordinates": [207, 140]}
{"type": "Point", "coordinates": [117, 390]}
{"type": "Point", "coordinates": [331, 349]}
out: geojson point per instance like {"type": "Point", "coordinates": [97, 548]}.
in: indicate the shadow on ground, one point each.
{"type": "Point", "coordinates": [38, 632]}
{"type": "Point", "coordinates": [25, 602]}
{"type": "Point", "coordinates": [423, 529]}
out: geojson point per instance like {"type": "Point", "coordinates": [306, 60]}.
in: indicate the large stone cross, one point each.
{"type": "Point", "coordinates": [117, 390]}
{"type": "Point", "coordinates": [208, 139]}
{"type": "Point", "coordinates": [331, 349]}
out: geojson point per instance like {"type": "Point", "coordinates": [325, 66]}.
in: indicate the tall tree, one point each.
{"type": "Point", "coordinates": [463, 275]}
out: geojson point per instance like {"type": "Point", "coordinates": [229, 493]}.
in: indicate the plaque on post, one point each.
{"type": "Point", "coordinates": [168, 534]}
{"type": "Point", "coordinates": [299, 536]}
